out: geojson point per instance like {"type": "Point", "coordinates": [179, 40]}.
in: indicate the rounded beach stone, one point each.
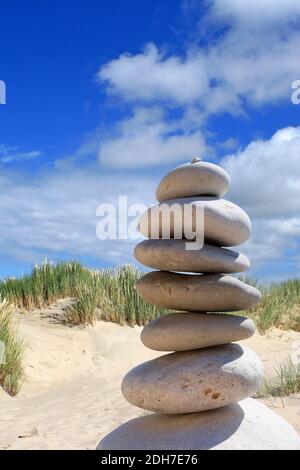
{"type": "Point", "coordinates": [172, 255]}
{"type": "Point", "coordinates": [187, 331]}
{"type": "Point", "coordinates": [193, 179]}
{"type": "Point", "coordinates": [248, 425]}
{"type": "Point", "coordinates": [224, 224]}
{"type": "Point", "coordinates": [197, 292]}
{"type": "Point", "coordinates": [192, 381]}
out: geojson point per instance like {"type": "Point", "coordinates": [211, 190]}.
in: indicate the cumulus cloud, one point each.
{"type": "Point", "coordinates": [266, 183]}
{"type": "Point", "coordinates": [146, 138]}
{"type": "Point", "coordinates": [150, 76]}
{"type": "Point", "coordinates": [242, 66]}
{"type": "Point", "coordinates": [55, 213]}
{"type": "Point", "coordinates": [266, 175]}
{"type": "Point", "coordinates": [253, 62]}
{"type": "Point", "coordinates": [183, 81]}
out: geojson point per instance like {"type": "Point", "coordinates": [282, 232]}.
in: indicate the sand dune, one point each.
{"type": "Point", "coordinates": [71, 396]}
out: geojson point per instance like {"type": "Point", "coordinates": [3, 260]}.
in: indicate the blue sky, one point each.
{"type": "Point", "coordinates": [103, 98]}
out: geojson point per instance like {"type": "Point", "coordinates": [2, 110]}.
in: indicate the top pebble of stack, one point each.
{"type": "Point", "coordinates": [197, 178]}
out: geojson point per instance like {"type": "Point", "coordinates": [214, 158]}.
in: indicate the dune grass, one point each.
{"type": "Point", "coordinates": [279, 306]}
{"type": "Point", "coordinates": [110, 295]}
{"type": "Point", "coordinates": [46, 283]}
{"type": "Point", "coordinates": [286, 381]}
{"type": "Point", "coordinates": [11, 351]}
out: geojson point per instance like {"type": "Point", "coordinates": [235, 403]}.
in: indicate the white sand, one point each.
{"type": "Point", "coordinates": [71, 396]}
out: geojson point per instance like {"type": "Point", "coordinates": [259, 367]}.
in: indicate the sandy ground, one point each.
{"type": "Point", "coordinates": [71, 396]}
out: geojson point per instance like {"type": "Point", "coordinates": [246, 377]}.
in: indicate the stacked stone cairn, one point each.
{"type": "Point", "coordinates": [199, 390]}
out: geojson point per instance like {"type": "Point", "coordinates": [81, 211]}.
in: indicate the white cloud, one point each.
{"type": "Point", "coordinates": [229, 145]}
{"type": "Point", "coordinates": [257, 11]}
{"type": "Point", "coordinates": [13, 154]}
{"type": "Point", "coordinates": [252, 63]}
{"type": "Point", "coordinates": [55, 214]}
{"type": "Point", "coordinates": [149, 75]}
{"type": "Point", "coordinates": [242, 66]}
{"type": "Point", "coordinates": [274, 240]}
{"type": "Point", "coordinates": [266, 184]}
{"type": "Point", "coordinates": [147, 138]}
{"type": "Point", "coordinates": [266, 175]}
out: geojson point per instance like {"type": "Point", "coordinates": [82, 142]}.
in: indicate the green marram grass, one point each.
{"type": "Point", "coordinates": [46, 283]}
{"type": "Point", "coordinates": [110, 295]}
{"type": "Point", "coordinates": [279, 306]}
{"type": "Point", "coordinates": [11, 369]}
{"type": "Point", "coordinates": [285, 382]}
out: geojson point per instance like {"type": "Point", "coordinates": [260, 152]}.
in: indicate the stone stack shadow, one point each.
{"type": "Point", "coordinates": [196, 387]}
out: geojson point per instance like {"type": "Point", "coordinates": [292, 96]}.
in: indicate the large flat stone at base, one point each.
{"type": "Point", "coordinates": [248, 425]}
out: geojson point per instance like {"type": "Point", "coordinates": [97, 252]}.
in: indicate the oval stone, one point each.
{"type": "Point", "coordinates": [187, 331]}
{"type": "Point", "coordinates": [247, 425]}
{"type": "Point", "coordinates": [192, 381]}
{"type": "Point", "coordinates": [193, 179]}
{"type": "Point", "coordinates": [220, 222]}
{"type": "Point", "coordinates": [172, 255]}
{"type": "Point", "coordinates": [197, 292]}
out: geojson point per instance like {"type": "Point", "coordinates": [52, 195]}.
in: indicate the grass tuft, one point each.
{"type": "Point", "coordinates": [46, 284]}
{"type": "Point", "coordinates": [286, 382]}
{"type": "Point", "coordinates": [108, 295]}
{"type": "Point", "coordinates": [111, 296]}
{"type": "Point", "coordinates": [11, 369]}
{"type": "Point", "coordinates": [279, 307]}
